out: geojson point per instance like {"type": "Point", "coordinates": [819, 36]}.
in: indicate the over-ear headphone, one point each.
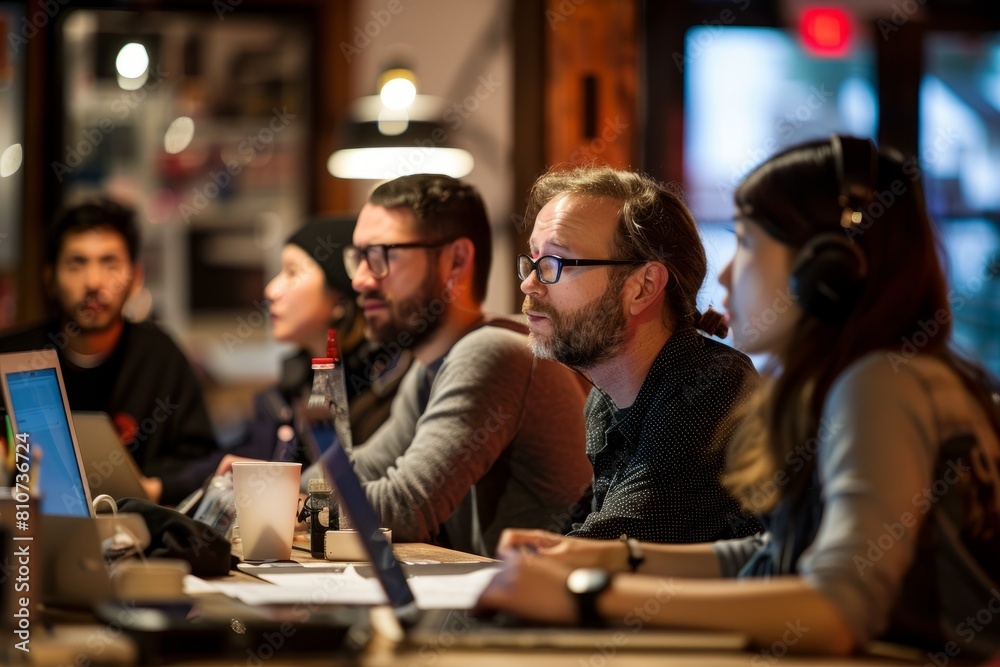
{"type": "Point", "coordinates": [828, 273]}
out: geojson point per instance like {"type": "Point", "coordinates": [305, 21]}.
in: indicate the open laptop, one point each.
{"type": "Point", "coordinates": [109, 466]}
{"type": "Point", "coordinates": [74, 573]}
{"type": "Point", "coordinates": [459, 627]}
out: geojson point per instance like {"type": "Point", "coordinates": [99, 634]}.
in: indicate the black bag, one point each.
{"type": "Point", "coordinates": [174, 535]}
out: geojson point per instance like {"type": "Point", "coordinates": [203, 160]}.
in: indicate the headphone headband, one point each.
{"type": "Point", "coordinates": [856, 161]}
{"type": "Point", "coordinates": [828, 274]}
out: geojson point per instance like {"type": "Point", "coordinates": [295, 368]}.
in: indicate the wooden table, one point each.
{"type": "Point", "coordinates": [383, 651]}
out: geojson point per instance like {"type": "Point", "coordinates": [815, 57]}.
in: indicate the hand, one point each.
{"type": "Point", "coordinates": [714, 323]}
{"type": "Point", "coordinates": [519, 539]}
{"type": "Point", "coordinates": [153, 486]}
{"type": "Point", "coordinates": [571, 552]}
{"type": "Point", "coordinates": [532, 588]}
{"type": "Point", "coordinates": [226, 464]}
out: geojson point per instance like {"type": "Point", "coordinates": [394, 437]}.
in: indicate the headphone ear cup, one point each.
{"type": "Point", "coordinates": [828, 276]}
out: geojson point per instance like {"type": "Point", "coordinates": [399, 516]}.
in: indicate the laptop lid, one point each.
{"type": "Point", "coordinates": [73, 573]}
{"type": "Point", "coordinates": [352, 499]}
{"type": "Point", "coordinates": [108, 465]}
{"type": "Point", "coordinates": [35, 396]}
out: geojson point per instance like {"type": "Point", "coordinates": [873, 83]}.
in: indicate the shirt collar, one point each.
{"type": "Point", "coordinates": [674, 360]}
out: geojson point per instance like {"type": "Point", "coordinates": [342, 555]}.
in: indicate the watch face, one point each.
{"type": "Point", "coordinates": [587, 580]}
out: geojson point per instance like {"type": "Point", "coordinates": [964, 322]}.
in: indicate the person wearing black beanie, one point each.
{"type": "Point", "coordinates": [310, 295]}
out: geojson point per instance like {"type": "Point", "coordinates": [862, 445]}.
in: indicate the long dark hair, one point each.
{"type": "Point", "coordinates": [794, 195]}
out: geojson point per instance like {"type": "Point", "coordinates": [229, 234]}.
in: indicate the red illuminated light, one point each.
{"type": "Point", "coordinates": [826, 31]}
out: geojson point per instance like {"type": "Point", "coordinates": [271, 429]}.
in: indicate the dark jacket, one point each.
{"type": "Point", "coordinates": [151, 392]}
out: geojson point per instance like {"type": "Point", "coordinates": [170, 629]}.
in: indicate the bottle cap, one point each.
{"type": "Point", "coordinates": [322, 362]}
{"type": "Point", "coordinates": [319, 485]}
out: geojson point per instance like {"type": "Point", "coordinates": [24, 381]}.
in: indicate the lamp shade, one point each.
{"type": "Point", "coordinates": [421, 148]}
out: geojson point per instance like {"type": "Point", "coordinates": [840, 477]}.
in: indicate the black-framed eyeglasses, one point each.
{"type": "Point", "coordinates": [549, 267]}
{"type": "Point", "coordinates": [377, 256]}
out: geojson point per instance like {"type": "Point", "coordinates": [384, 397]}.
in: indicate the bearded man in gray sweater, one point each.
{"type": "Point", "coordinates": [481, 436]}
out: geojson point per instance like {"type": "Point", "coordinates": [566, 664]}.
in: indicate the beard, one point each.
{"type": "Point", "coordinates": [413, 319]}
{"type": "Point", "coordinates": [584, 338]}
{"type": "Point", "coordinates": [95, 313]}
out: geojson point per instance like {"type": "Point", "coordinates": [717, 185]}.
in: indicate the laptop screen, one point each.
{"type": "Point", "coordinates": [352, 497]}
{"type": "Point", "coordinates": [37, 405]}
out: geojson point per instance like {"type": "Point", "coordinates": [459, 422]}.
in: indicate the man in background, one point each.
{"type": "Point", "coordinates": [132, 371]}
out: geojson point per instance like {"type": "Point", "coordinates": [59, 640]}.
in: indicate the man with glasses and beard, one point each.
{"type": "Point", "coordinates": [131, 370]}
{"type": "Point", "coordinates": [615, 267]}
{"type": "Point", "coordinates": [481, 435]}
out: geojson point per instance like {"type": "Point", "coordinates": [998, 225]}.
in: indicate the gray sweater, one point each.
{"type": "Point", "coordinates": [909, 500]}
{"type": "Point", "coordinates": [487, 417]}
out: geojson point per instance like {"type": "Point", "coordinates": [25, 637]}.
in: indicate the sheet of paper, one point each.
{"type": "Point", "coordinates": [195, 585]}
{"type": "Point", "coordinates": [456, 591]}
{"type": "Point", "coordinates": [459, 591]}
{"type": "Point", "coordinates": [347, 587]}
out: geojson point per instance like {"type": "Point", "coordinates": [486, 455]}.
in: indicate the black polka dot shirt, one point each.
{"type": "Point", "coordinates": [656, 471]}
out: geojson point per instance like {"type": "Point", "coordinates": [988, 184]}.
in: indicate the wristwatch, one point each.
{"type": "Point", "coordinates": [586, 584]}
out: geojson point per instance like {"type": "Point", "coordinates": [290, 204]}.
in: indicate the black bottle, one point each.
{"type": "Point", "coordinates": [321, 515]}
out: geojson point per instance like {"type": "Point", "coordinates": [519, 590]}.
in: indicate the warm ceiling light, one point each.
{"type": "Point", "coordinates": [179, 135]}
{"type": "Point", "coordinates": [396, 133]}
{"type": "Point", "coordinates": [388, 162]}
{"type": "Point", "coordinates": [398, 94]}
{"type": "Point", "coordinates": [132, 61]}
{"type": "Point", "coordinates": [10, 161]}
{"type": "Point", "coordinates": [397, 88]}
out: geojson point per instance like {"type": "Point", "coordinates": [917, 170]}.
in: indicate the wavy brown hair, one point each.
{"type": "Point", "coordinates": [794, 197]}
{"type": "Point", "coordinates": [654, 226]}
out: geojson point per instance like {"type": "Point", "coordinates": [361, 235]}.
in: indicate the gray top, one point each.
{"type": "Point", "coordinates": [910, 495]}
{"type": "Point", "coordinates": [486, 417]}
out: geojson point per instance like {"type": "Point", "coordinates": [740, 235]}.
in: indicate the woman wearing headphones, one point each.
{"type": "Point", "coordinates": [871, 452]}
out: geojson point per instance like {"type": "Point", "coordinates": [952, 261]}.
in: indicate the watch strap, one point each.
{"type": "Point", "coordinates": [635, 555]}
